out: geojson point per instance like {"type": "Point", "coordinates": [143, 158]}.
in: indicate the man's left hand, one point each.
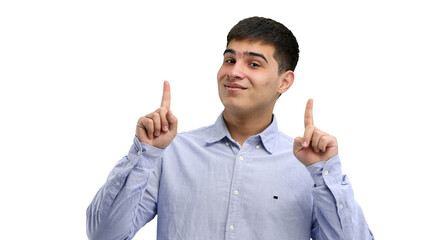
{"type": "Point", "coordinates": [316, 145]}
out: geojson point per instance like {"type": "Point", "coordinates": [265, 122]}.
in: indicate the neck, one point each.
{"type": "Point", "coordinates": [241, 127]}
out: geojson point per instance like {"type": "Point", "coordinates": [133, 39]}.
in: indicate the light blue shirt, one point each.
{"type": "Point", "coordinates": [206, 186]}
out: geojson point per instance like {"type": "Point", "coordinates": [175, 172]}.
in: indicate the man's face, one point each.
{"type": "Point", "coordinates": [248, 79]}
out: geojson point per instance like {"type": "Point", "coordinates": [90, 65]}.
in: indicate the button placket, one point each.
{"type": "Point", "coordinates": [235, 198]}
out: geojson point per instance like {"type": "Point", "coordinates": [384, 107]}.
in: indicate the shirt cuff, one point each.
{"type": "Point", "coordinates": [326, 172]}
{"type": "Point", "coordinates": [144, 154]}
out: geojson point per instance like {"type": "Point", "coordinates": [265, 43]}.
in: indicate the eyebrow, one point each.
{"type": "Point", "coordinates": [246, 54]}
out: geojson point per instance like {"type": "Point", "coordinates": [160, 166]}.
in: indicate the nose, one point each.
{"type": "Point", "coordinates": [236, 72]}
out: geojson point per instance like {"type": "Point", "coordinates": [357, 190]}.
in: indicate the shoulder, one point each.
{"type": "Point", "coordinates": [199, 135]}
{"type": "Point", "coordinates": [285, 138]}
{"type": "Point", "coordinates": [201, 132]}
{"type": "Point", "coordinates": [281, 142]}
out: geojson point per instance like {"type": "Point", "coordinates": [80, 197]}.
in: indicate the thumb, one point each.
{"type": "Point", "coordinates": [297, 145]}
{"type": "Point", "coordinates": [173, 122]}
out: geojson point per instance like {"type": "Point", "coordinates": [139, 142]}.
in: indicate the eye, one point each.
{"type": "Point", "coordinates": [230, 61]}
{"type": "Point", "coordinates": [254, 65]}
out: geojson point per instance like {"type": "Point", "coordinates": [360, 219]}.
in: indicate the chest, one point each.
{"type": "Point", "coordinates": [249, 185]}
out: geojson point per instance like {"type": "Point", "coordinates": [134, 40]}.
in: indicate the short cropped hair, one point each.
{"type": "Point", "coordinates": [270, 32]}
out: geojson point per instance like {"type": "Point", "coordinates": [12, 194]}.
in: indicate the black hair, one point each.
{"type": "Point", "coordinates": [270, 32]}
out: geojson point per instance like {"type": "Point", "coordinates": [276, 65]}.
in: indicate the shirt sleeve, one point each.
{"type": "Point", "coordinates": [336, 213]}
{"type": "Point", "coordinates": [111, 215]}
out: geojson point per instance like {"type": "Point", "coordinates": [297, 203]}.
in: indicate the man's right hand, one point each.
{"type": "Point", "coordinates": [158, 128]}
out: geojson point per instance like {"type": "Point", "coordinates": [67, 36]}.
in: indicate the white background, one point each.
{"type": "Point", "coordinates": [76, 75]}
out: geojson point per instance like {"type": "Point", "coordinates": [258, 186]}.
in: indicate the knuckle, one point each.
{"type": "Point", "coordinates": [317, 131]}
{"type": "Point", "coordinates": [149, 122]}
{"type": "Point", "coordinates": [149, 115]}
{"type": "Point", "coordinates": [162, 109]}
{"type": "Point", "coordinates": [140, 121]}
{"type": "Point", "coordinates": [322, 140]}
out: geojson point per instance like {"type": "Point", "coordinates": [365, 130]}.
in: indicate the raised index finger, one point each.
{"type": "Point", "coordinates": [165, 101]}
{"type": "Point", "coordinates": [309, 117]}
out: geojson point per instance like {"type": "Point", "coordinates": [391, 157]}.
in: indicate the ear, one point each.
{"type": "Point", "coordinates": [287, 79]}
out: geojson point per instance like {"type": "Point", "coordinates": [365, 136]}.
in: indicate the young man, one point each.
{"type": "Point", "coordinates": [240, 178]}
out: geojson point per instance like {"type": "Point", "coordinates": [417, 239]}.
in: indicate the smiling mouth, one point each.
{"type": "Point", "coordinates": [233, 87]}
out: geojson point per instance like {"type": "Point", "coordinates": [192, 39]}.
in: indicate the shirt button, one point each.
{"type": "Point", "coordinates": [257, 146]}
{"type": "Point", "coordinates": [326, 173]}
{"type": "Point", "coordinates": [227, 143]}
{"type": "Point", "coordinates": [139, 153]}
{"type": "Point", "coordinates": [241, 158]}
{"type": "Point", "coordinates": [231, 228]}
{"type": "Point", "coordinates": [341, 206]}
{"type": "Point", "coordinates": [236, 192]}
{"type": "Point", "coordinates": [117, 184]}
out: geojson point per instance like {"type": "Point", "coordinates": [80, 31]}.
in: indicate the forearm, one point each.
{"type": "Point", "coordinates": [111, 213]}
{"type": "Point", "coordinates": [337, 214]}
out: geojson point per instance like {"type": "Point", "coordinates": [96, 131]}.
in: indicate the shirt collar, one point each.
{"type": "Point", "coordinates": [268, 137]}
{"type": "Point", "coordinates": [218, 131]}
